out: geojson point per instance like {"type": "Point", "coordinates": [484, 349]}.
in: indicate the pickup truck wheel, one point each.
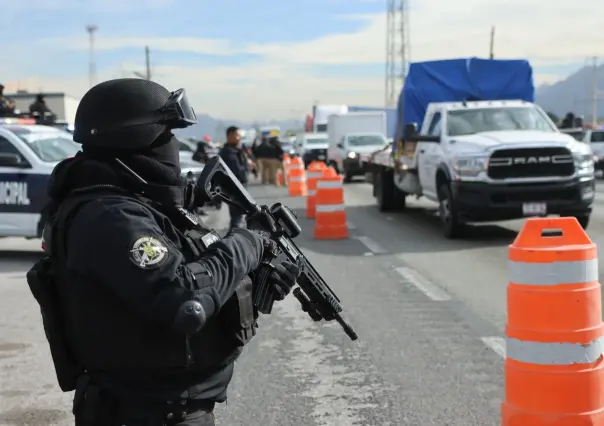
{"type": "Point", "coordinates": [388, 197]}
{"type": "Point", "coordinates": [583, 221]}
{"type": "Point", "coordinates": [347, 177]}
{"type": "Point", "coordinates": [382, 195]}
{"type": "Point", "coordinates": [452, 226]}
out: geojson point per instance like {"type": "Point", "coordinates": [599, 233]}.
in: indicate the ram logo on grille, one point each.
{"type": "Point", "coordinates": [548, 159]}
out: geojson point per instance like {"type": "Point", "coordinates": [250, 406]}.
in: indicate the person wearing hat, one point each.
{"type": "Point", "coordinates": [145, 316]}
{"type": "Point", "coordinates": [7, 106]}
{"type": "Point", "coordinates": [40, 110]}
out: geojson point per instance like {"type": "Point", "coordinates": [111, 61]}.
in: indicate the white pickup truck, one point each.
{"type": "Point", "coordinates": [487, 161]}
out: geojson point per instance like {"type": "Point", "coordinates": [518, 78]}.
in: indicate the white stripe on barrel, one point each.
{"type": "Point", "coordinates": [548, 274]}
{"type": "Point", "coordinates": [330, 208]}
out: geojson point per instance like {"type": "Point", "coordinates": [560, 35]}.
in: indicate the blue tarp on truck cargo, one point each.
{"type": "Point", "coordinates": [391, 116]}
{"type": "Point", "coordinates": [458, 80]}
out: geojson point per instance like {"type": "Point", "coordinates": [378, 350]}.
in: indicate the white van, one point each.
{"type": "Point", "coordinates": [312, 147]}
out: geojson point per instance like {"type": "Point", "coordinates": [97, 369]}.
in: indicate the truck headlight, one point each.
{"type": "Point", "coordinates": [470, 165]}
{"type": "Point", "coordinates": [583, 160]}
{"type": "Point", "coordinates": [352, 155]}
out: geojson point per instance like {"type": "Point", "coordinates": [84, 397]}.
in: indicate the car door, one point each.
{"type": "Point", "coordinates": [429, 156]}
{"type": "Point", "coordinates": [19, 215]}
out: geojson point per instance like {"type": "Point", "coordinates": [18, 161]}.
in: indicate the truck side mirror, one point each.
{"type": "Point", "coordinates": [410, 131]}
{"type": "Point", "coordinates": [340, 146]}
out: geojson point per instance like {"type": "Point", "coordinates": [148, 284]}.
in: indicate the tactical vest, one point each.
{"type": "Point", "coordinates": [136, 346]}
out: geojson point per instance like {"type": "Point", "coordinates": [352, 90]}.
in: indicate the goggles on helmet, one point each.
{"type": "Point", "coordinates": [177, 113]}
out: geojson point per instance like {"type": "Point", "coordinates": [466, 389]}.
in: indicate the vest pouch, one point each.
{"type": "Point", "coordinates": [247, 312]}
{"type": "Point", "coordinates": [238, 316]}
{"type": "Point", "coordinates": [43, 285]}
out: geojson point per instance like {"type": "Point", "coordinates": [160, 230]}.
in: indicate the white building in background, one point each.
{"type": "Point", "coordinates": [63, 105]}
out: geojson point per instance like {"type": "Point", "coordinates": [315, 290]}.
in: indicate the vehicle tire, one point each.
{"type": "Point", "coordinates": [388, 197]}
{"type": "Point", "coordinates": [583, 221]}
{"type": "Point", "coordinates": [335, 166]}
{"type": "Point", "coordinates": [347, 177]}
{"type": "Point", "coordinates": [449, 217]}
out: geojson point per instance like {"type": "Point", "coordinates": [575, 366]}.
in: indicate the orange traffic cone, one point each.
{"type": "Point", "coordinates": [280, 178]}
{"type": "Point", "coordinates": [313, 174]}
{"type": "Point", "coordinates": [554, 370]}
{"type": "Point", "coordinates": [296, 179]}
{"type": "Point", "coordinates": [330, 223]}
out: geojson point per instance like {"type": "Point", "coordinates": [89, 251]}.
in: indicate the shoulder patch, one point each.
{"type": "Point", "coordinates": [148, 252]}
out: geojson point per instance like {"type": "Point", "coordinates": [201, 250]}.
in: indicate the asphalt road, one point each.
{"type": "Point", "coordinates": [430, 315]}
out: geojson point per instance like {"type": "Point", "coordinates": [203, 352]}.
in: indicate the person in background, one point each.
{"type": "Point", "coordinates": [276, 159]}
{"type": "Point", "coordinates": [40, 110]}
{"type": "Point", "coordinates": [201, 155]}
{"type": "Point", "coordinates": [7, 106]}
{"type": "Point", "coordinates": [235, 158]}
{"type": "Point", "coordinates": [264, 153]}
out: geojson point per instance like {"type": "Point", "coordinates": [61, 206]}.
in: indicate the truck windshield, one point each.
{"type": "Point", "coordinates": [50, 147]}
{"type": "Point", "coordinates": [366, 140]}
{"type": "Point", "coordinates": [316, 141]}
{"type": "Point", "coordinates": [471, 121]}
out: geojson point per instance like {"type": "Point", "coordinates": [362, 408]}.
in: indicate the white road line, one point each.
{"type": "Point", "coordinates": [372, 245]}
{"type": "Point", "coordinates": [423, 284]}
{"type": "Point", "coordinates": [497, 344]}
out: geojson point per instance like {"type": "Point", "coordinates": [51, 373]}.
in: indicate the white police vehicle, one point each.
{"type": "Point", "coordinates": [28, 154]}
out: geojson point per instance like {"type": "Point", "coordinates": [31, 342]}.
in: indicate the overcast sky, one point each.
{"type": "Point", "coordinates": [265, 59]}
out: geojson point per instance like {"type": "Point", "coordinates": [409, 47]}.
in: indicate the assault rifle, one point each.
{"type": "Point", "coordinates": [217, 182]}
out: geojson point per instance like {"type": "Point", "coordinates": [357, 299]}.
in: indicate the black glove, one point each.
{"type": "Point", "coordinates": [283, 279]}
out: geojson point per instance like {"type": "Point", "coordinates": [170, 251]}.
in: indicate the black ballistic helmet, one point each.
{"type": "Point", "coordinates": [130, 114]}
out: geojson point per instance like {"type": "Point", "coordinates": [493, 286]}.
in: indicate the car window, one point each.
{"type": "Point", "coordinates": [50, 147]}
{"type": "Point", "coordinates": [366, 140]}
{"type": "Point", "coordinates": [597, 136]}
{"type": "Point", "coordinates": [435, 125]}
{"type": "Point", "coordinates": [7, 147]}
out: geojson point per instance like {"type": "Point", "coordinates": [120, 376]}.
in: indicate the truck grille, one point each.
{"type": "Point", "coordinates": [531, 163]}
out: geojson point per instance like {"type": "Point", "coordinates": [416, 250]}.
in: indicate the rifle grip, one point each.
{"type": "Point", "coordinates": [263, 296]}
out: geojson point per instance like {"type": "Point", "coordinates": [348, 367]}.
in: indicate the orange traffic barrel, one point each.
{"type": "Point", "coordinates": [286, 166]}
{"type": "Point", "coordinates": [280, 178]}
{"type": "Point", "coordinates": [317, 165]}
{"type": "Point", "coordinates": [330, 213]}
{"type": "Point", "coordinates": [296, 178]}
{"type": "Point", "coordinates": [554, 367]}
{"type": "Point", "coordinates": [313, 174]}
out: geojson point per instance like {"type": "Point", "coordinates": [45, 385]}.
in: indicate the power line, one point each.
{"type": "Point", "coordinates": [397, 50]}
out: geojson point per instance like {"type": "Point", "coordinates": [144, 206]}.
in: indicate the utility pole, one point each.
{"type": "Point", "coordinates": [147, 74]}
{"type": "Point", "coordinates": [594, 93]}
{"type": "Point", "coordinates": [147, 63]}
{"type": "Point", "coordinates": [397, 50]}
{"type": "Point", "coordinates": [492, 44]}
{"type": "Point", "coordinates": [91, 29]}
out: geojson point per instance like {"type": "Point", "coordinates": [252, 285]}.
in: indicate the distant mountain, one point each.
{"type": "Point", "coordinates": [574, 93]}
{"type": "Point", "coordinates": [216, 128]}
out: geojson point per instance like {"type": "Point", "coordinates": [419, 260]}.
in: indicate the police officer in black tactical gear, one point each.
{"type": "Point", "coordinates": [144, 317]}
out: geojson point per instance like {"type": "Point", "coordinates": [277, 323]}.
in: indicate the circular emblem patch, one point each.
{"type": "Point", "coordinates": [148, 251]}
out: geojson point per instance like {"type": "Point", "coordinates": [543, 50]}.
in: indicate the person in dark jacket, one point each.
{"type": "Point", "coordinates": [154, 314]}
{"type": "Point", "coordinates": [7, 106]}
{"type": "Point", "coordinates": [41, 111]}
{"type": "Point", "coordinates": [234, 157]}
